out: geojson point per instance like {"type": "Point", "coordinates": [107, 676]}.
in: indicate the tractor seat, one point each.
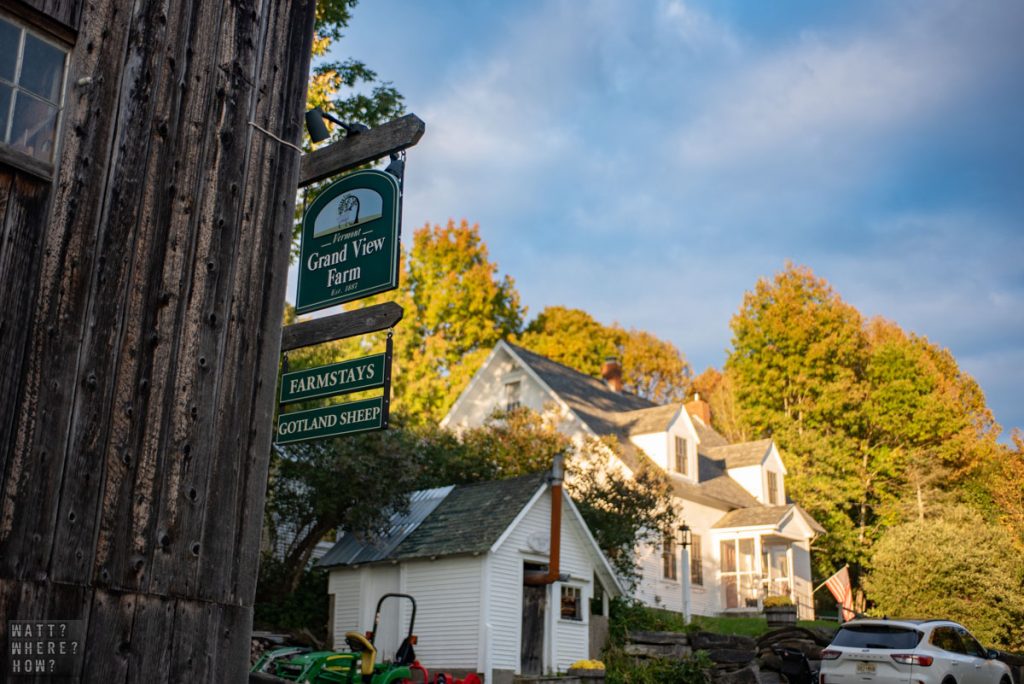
{"type": "Point", "coordinates": [405, 655]}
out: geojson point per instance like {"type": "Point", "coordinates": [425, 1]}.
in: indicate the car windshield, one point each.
{"type": "Point", "coordinates": [877, 636]}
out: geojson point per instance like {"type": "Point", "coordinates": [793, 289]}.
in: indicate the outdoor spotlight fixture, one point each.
{"type": "Point", "coordinates": [318, 130]}
{"type": "Point", "coordinates": [684, 535]}
{"type": "Point", "coordinates": [397, 166]}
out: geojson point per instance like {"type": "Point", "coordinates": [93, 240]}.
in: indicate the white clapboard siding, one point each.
{"type": "Point", "coordinates": [343, 584]}
{"type": "Point", "coordinates": [448, 599]}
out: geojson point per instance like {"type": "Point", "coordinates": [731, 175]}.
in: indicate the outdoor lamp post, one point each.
{"type": "Point", "coordinates": [684, 545]}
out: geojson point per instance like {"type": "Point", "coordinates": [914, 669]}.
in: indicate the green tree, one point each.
{"type": "Point", "coordinates": [652, 368]}
{"type": "Point", "coordinates": [797, 358]}
{"type": "Point", "coordinates": [876, 425]}
{"type": "Point", "coordinates": [926, 416]}
{"type": "Point", "coordinates": [351, 483]}
{"type": "Point", "coordinates": [954, 565]}
{"type": "Point", "coordinates": [456, 309]}
{"type": "Point", "coordinates": [332, 84]}
{"type": "Point", "coordinates": [572, 337]}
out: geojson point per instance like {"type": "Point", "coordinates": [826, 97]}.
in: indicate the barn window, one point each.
{"type": "Point", "coordinates": [31, 90]}
{"type": "Point", "coordinates": [571, 603]}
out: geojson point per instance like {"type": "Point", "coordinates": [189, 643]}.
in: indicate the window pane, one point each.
{"type": "Point", "coordinates": [571, 603]}
{"type": "Point", "coordinates": [42, 68]}
{"type": "Point", "coordinates": [9, 39]}
{"type": "Point", "coordinates": [746, 555]}
{"type": "Point", "coordinates": [731, 597]}
{"type": "Point", "coordinates": [5, 109]}
{"type": "Point", "coordinates": [32, 129]}
{"type": "Point", "coordinates": [728, 556]}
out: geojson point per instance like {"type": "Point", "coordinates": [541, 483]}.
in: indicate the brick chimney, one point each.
{"type": "Point", "coordinates": [611, 371]}
{"type": "Point", "coordinates": [699, 408]}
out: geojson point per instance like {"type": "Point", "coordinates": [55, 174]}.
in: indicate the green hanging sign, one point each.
{"type": "Point", "coordinates": [349, 247]}
{"type": "Point", "coordinates": [336, 378]}
{"type": "Point", "coordinates": [331, 421]}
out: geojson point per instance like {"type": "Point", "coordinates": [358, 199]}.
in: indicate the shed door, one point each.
{"type": "Point", "coordinates": [534, 606]}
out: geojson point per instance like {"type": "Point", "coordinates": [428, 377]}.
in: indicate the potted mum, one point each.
{"type": "Point", "coordinates": [780, 611]}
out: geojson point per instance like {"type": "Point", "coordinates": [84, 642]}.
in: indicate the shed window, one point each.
{"type": "Point", "coordinates": [31, 89]}
{"type": "Point", "coordinates": [571, 603]}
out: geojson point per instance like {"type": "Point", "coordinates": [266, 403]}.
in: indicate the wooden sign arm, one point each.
{"type": "Point", "coordinates": [353, 151]}
{"type": "Point", "coordinates": [339, 326]}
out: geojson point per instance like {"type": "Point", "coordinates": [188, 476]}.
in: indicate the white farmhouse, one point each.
{"type": "Point", "coordinates": [748, 540]}
{"type": "Point", "coordinates": [466, 554]}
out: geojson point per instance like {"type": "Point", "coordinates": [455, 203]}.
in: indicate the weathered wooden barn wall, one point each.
{"type": "Point", "coordinates": [142, 293]}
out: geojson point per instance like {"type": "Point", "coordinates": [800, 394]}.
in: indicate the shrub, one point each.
{"type": "Point", "coordinates": [959, 568]}
{"type": "Point", "coordinates": [777, 602]}
{"type": "Point", "coordinates": [623, 669]}
{"type": "Point", "coordinates": [629, 615]}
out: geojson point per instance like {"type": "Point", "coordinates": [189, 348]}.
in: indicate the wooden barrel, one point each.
{"type": "Point", "coordinates": [781, 616]}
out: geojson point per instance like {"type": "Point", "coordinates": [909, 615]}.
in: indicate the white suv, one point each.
{"type": "Point", "coordinates": [909, 652]}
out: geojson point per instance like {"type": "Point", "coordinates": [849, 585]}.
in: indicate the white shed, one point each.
{"type": "Point", "coordinates": [463, 553]}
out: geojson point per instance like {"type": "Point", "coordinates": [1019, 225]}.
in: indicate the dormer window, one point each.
{"type": "Point", "coordinates": [773, 487]}
{"type": "Point", "coordinates": [681, 462]}
{"type": "Point", "coordinates": [31, 89]}
{"type": "Point", "coordinates": [512, 390]}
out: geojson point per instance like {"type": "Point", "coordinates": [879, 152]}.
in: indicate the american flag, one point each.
{"type": "Point", "coordinates": [839, 585]}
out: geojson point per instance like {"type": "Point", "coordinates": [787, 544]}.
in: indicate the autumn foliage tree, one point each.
{"type": "Point", "coordinates": [652, 368]}
{"type": "Point", "coordinates": [877, 426]}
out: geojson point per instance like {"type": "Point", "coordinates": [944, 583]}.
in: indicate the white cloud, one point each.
{"type": "Point", "coordinates": [829, 98]}
{"type": "Point", "coordinates": [698, 30]}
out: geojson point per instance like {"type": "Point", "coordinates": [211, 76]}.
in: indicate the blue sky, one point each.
{"type": "Point", "coordinates": [648, 161]}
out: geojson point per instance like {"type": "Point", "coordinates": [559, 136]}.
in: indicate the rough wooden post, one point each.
{"type": "Point", "coordinates": [146, 288]}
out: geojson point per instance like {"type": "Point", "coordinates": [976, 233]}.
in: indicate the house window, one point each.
{"type": "Point", "coordinates": [669, 566]}
{"type": "Point", "coordinates": [681, 462]}
{"type": "Point", "coordinates": [31, 89]}
{"type": "Point", "coordinates": [738, 579]}
{"type": "Point", "coordinates": [696, 561]}
{"type": "Point", "coordinates": [512, 395]}
{"type": "Point", "coordinates": [597, 600]}
{"type": "Point", "coordinates": [773, 487]}
{"type": "Point", "coordinates": [571, 603]}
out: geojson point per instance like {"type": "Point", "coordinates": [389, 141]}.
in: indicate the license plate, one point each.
{"type": "Point", "coordinates": [865, 668]}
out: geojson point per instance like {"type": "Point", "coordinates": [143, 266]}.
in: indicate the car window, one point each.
{"type": "Point", "coordinates": [971, 645]}
{"type": "Point", "coordinates": [877, 636]}
{"type": "Point", "coordinates": [946, 638]}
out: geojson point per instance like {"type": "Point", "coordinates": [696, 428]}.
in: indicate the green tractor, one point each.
{"type": "Point", "coordinates": [357, 666]}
